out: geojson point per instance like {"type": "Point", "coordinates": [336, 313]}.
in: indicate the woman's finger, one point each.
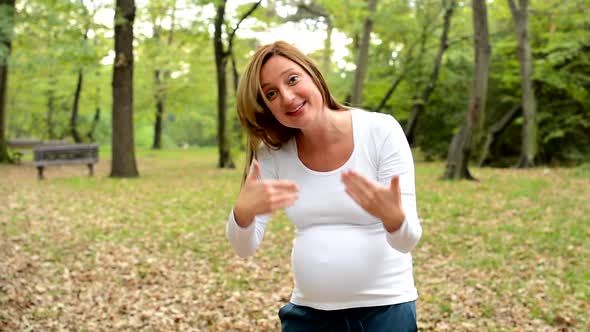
{"type": "Point", "coordinates": [359, 180]}
{"type": "Point", "coordinates": [394, 183]}
{"type": "Point", "coordinates": [395, 189]}
{"type": "Point", "coordinates": [359, 185]}
{"type": "Point", "coordinates": [356, 196]}
{"type": "Point", "coordinates": [283, 202]}
{"type": "Point", "coordinates": [284, 185]}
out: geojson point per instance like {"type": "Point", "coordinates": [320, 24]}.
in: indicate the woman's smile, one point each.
{"type": "Point", "coordinates": [297, 111]}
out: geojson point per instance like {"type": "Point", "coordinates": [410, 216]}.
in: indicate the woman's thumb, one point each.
{"type": "Point", "coordinates": [254, 171]}
{"type": "Point", "coordinates": [395, 183]}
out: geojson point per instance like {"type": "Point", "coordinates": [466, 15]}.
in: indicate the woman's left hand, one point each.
{"type": "Point", "coordinates": [380, 201]}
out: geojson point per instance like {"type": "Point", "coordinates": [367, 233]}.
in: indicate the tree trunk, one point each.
{"type": "Point", "coordinates": [74, 115]}
{"type": "Point", "coordinates": [458, 157]}
{"type": "Point", "coordinates": [51, 110]}
{"type": "Point", "coordinates": [460, 149]}
{"type": "Point", "coordinates": [157, 144]}
{"type": "Point", "coordinates": [225, 160]}
{"type": "Point", "coordinates": [4, 156]}
{"type": "Point", "coordinates": [7, 8]}
{"type": "Point", "coordinates": [420, 105]}
{"type": "Point", "coordinates": [123, 162]}
{"type": "Point", "coordinates": [529, 104]}
{"type": "Point", "coordinates": [362, 59]}
{"type": "Point", "coordinates": [93, 125]}
{"type": "Point", "coordinates": [418, 83]}
{"type": "Point", "coordinates": [96, 119]}
{"type": "Point", "coordinates": [221, 58]}
{"type": "Point", "coordinates": [161, 79]}
{"type": "Point", "coordinates": [237, 128]}
{"type": "Point", "coordinates": [235, 74]}
{"type": "Point", "coordinates": [496, 130]}
{"type": "Point", "coordinates": [158, 94]}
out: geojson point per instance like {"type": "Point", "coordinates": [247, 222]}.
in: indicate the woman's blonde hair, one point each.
{"type": "Point", "coordinates": [257, 120]}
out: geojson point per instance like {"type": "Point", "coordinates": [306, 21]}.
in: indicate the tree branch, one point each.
{"type": "Point", "coordinates": [233, 33]}
{"type": "Point", "coordinates": [513, 8]}
{"type": "Point", "coordinates": [317, 11]}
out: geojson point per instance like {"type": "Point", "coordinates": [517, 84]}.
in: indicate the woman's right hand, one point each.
{"type": "Point", "coordinates": [262, 196]}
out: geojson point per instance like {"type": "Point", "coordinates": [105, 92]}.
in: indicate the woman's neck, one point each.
{"type": "Point", "coordinates": [330, 128]}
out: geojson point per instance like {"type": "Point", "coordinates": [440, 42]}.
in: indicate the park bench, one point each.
{"type": "Point", "coordinates": [19, 145]}
{"type": "Point", "coordinates": [24, 143]}
{"type": "Point", "coordinates": [65, 154]}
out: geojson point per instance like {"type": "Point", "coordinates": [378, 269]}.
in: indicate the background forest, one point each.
{"type": "Point", "coordinates": [418, 66]}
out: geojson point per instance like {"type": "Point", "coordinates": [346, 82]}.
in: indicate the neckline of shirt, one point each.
{"type": "Point", "coordinates": [336, 170]}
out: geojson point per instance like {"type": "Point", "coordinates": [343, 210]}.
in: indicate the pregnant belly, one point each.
{"type": "Point", "coordinates": [339, 262]}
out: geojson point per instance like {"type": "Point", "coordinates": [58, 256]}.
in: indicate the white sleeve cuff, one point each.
{"type": "Point", "coordinates": [406, 237]}
{"type": "Point", "coordinates": [245, 240]}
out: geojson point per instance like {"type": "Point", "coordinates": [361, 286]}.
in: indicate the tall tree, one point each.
{"type": "Point", "coordinates": [222, 55]}
{"type": "Point", "coordinates": [7, 8]}
{"type": "Point", "coordinates": [362, 59]}
{"type": "Point", "coordinates": [74, 116]}
{"type": "Point", "coordinates": [161, 76]}
{"type": "Point", "coordinates": [405, 63]}
{"type": "Point", "coordinates": [87, 17]}
{"type": "Point", "coordinates": [51, 107]}
{"type": "Point", "coordinates": [123, 162]}
{"type": "Point", "coordinates": [461, 145]}
{"type": "Point", "coordinates": [529, 103]}
{"type": "Point", "coordinates": [312, 10]}
{"type": "Point", "coordinates": [96, 117]}
{"type": "Point", "coordinates": [496, 130]}
{"type": "Point", "coordinates": [419, 106]}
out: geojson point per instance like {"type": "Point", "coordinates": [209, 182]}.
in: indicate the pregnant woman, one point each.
{"type": "Point", "coordinates": [345, 178]}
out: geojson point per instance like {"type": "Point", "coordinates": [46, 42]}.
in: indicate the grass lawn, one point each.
{"type": "Point", "coordinates": [508, 253]}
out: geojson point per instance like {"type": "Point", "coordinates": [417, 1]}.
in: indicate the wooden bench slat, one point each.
{"type": "Point", "coordinates": [23, 143]}
{"type": "Point", "coordinates": [67, 147]}
{"type": "Point", "coordinates": [65, 162]}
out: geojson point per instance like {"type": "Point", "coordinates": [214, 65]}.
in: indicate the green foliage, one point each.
{"type": "Point", "coordinates": [6, 30]}
{"type": "Point", "coordinates": [561, 49]}
{"type": "Point", "coordinates": [49, 48]}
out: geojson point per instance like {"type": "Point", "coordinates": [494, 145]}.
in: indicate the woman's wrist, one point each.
{"type": "Point", "coordinates": [242, 217]}
{"type": "Point", "coordinates": [394, 222]}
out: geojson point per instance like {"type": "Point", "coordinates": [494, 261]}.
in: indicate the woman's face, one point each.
{"type": "Point", "coordinates": [293, 98]}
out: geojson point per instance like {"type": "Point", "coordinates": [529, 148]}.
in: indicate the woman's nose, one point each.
{"type": "Point", "coordinates": [288, 95]}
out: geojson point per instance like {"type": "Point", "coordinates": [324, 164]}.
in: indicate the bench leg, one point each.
{"type": "Point", "coordinates": [90, 170]}
{"type": "Point", "coordinates": [40, 172]}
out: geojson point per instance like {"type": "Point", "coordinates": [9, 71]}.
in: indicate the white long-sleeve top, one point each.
{"type": "Point", "coordinates": [342, 256]}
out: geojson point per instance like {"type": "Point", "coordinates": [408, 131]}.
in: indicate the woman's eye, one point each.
{"type": "Point", "coordinates": [270, 94]}
{"type": "Point", "coordinates": [293, 79]}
